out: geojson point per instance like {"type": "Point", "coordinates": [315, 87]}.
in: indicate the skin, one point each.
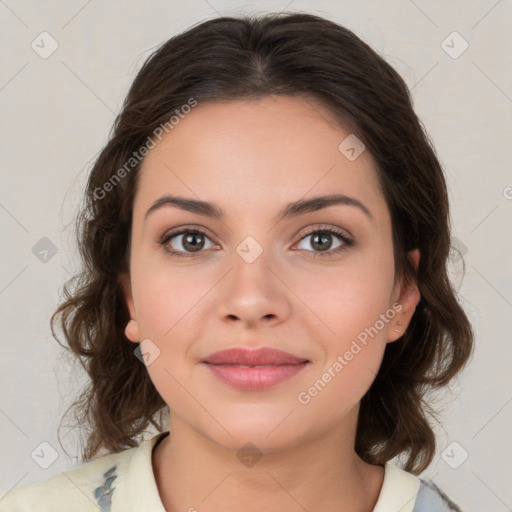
{"type": "Point", "coordinates": [251, 158]}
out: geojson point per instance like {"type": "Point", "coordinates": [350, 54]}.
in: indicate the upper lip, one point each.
{"type": "Point", "coordinates": [246, 357]}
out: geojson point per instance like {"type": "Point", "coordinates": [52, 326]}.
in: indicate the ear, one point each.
{"type": "Point", "coordinates": [408, 297]}
{"type": "Point", "coordinates": [132, 328]}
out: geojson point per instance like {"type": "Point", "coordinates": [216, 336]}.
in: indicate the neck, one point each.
{"type": "Point", "coordinates": [193, 472]}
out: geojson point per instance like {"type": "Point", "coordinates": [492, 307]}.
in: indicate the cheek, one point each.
{"type": "Point", "coordinates": [350, 298]}
{"type": "Point", "coordinates": [358, 316]}
{"type": "Point", "coordinates": [352, 303]}
{"type": "Point", "coordinates": [170, 313]}
{"type": "Point", "coordinates": [166, 296]}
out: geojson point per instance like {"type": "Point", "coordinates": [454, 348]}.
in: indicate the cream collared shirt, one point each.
{"type": "Point", "coordinates": [125, 482]}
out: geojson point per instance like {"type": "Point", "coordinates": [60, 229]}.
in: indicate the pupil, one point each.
{"type": "Point", "coordinates": [190, 240]}
{"type": "Point", "coordinates": [325, 238]}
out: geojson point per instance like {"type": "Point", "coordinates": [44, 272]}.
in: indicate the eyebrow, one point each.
{"type": "Point", "coordinates": [292, 209]}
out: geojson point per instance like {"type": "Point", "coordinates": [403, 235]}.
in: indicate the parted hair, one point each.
{"type": "Point", "coordinates": [249, 57]}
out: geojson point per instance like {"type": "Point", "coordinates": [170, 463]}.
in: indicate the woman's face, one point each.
{"type": "Point", "coordinates": [259, 279]}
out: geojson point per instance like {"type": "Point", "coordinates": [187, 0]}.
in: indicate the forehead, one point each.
{"type": "Point", "coordinates": [253, 156]}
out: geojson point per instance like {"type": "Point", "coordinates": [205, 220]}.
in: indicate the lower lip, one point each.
{"type": "Point", "coordinates": [255, 379]}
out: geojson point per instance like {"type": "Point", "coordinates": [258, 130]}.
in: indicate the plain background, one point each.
{"type": "Point", "coordinates": [56, 115]}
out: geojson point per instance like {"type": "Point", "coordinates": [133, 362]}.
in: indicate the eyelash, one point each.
{"type": "Point", "coordinates": [347, 242]}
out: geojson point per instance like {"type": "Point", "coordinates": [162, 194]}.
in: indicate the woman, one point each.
{"type": "Point", "coordinates": [264, 239]}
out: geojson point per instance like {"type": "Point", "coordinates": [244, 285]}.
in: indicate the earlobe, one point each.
{"type": "Point", "coordinates": [132, 331]}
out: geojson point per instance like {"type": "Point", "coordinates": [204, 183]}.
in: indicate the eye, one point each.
{"type": "Point", "coordinates": [189, 240]}
{"type": "Point", "coordinates": [321, 239]}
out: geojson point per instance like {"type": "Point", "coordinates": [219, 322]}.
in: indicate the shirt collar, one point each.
{"type": "Point", "coordinates": [138, 490]}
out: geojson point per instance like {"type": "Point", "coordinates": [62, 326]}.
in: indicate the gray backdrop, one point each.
{"type": "Point", "coordinates": [59, 102]}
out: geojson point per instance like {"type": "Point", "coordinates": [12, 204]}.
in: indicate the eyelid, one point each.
{"type": "Point", "coordinates": [181, 230]}
{"type": "Point", "coordinates": [186, 228]}
{"type": "Point", "coordinates": [326, 227]}
{"type": "Point", "coordinates": [309, 230]}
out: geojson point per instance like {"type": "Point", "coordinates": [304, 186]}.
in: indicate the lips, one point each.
{"type": "Point", "coordinates": [254, 370]}
{"type": "Point", "coordinates": [253, 358]}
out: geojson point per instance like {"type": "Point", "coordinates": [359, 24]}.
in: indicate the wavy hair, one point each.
{"type": "Point", "coordinates": [227, 59]}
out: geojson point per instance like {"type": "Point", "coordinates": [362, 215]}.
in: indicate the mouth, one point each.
{"type": "Point", "coordinates": [254, 370]}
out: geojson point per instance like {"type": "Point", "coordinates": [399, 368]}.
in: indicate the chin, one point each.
{"type": "Point", "coordinates": [262, 438]}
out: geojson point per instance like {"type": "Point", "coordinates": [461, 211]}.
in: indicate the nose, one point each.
{"type": "Point", "coordinates": [254, 293]}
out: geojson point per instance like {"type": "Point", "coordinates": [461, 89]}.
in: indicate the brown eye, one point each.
{"type": "Point", "coordinates": [321, 240]}
{"type": "Point", "coordinates": [193, 242]}
{"type": "Point", "coordinates": [185, 241]}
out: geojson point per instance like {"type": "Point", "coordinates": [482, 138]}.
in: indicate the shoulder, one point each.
{"type": "Point", "coordinates": [404, 491]}
{"type": "Point", "coordinates": [88, 487]}
{"type": "Point", "coordinates": [431, 498]}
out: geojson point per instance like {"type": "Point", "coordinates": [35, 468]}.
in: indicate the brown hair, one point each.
{"type": "Point", "coordinates": [226, 59]}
